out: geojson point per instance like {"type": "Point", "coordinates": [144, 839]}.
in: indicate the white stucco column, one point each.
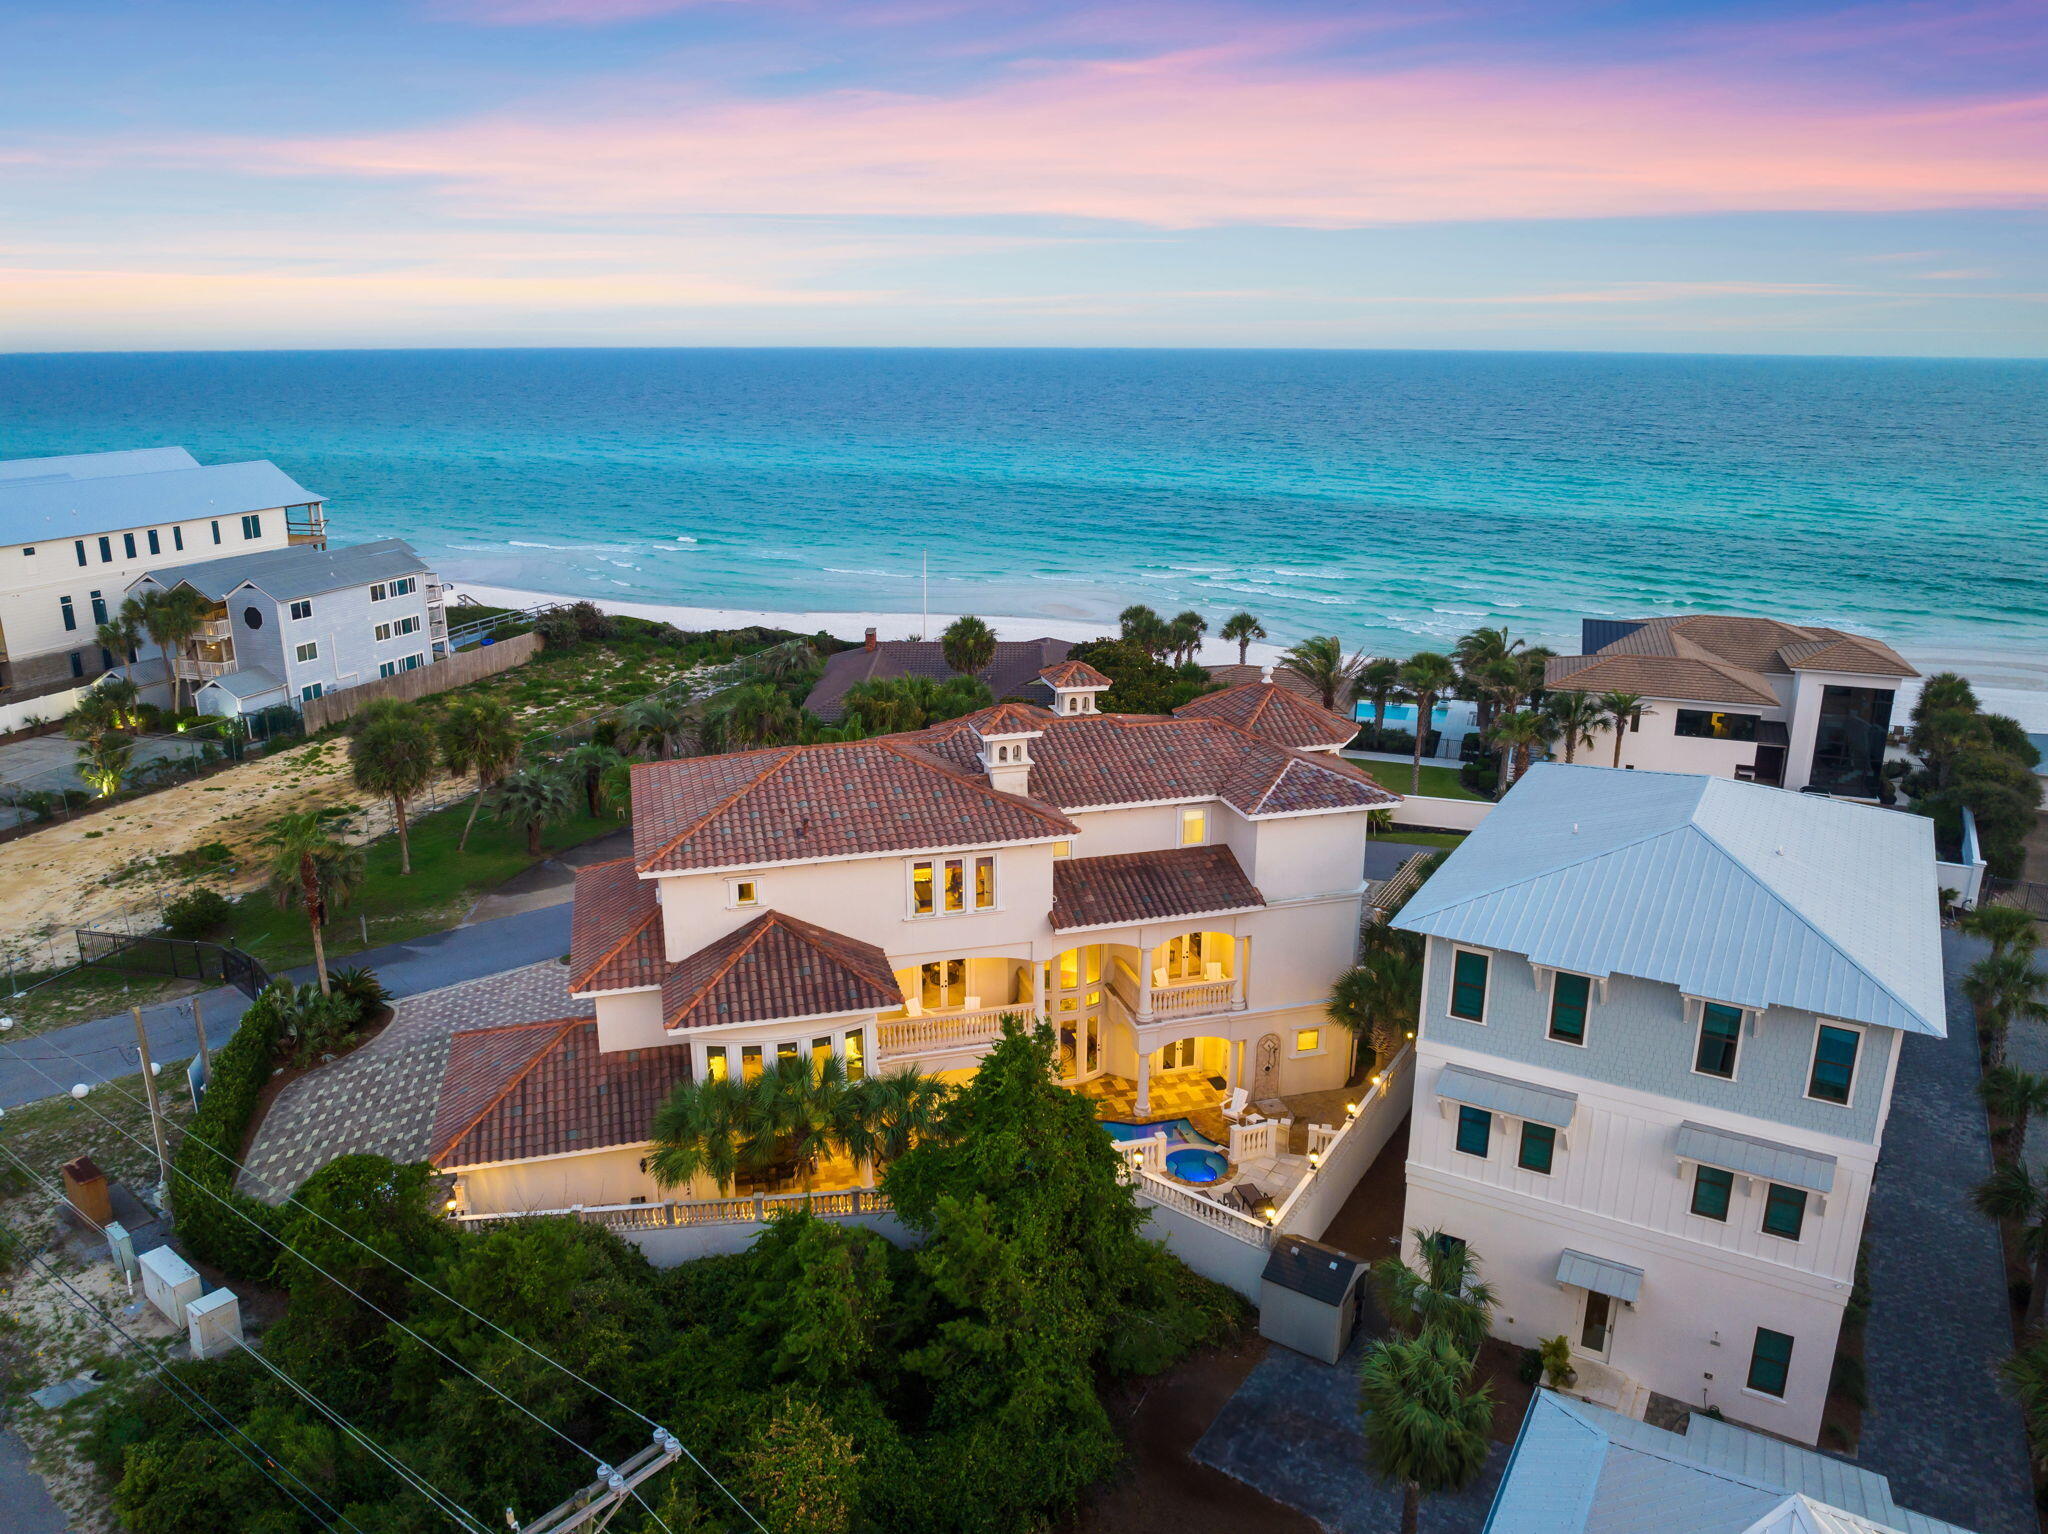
{"type": "Point", "coordinates": [1144, 978]}
{"type": "Point", "coordinates": [1144, 1081]}
{"type": "Point", "coordinates": [1241, 972]}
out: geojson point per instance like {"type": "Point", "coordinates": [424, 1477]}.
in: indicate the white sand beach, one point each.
{"type": "Point", "coordinates": [2006, 683]}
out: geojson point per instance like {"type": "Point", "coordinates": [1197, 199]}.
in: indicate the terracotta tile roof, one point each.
{"type": "Point", "coordinates": [1273, 713]}
{"type": "Point", "coordinates": [1093, 760]}
{"type": "Point", "coordinates": [777, 967]}
{"type": "Point", "coordinates": [1013, 671]}
{"type": "Point", "coordinates": [1234, 675]}
{"type": "Point", "coordinates": [793, 803]}
{"type": "Point", "coordinates": [546, 1089]}
{"type": "Point", "coordinates": [1009, 719]}
{"type": "Point", "coordinates": [1146, 886]}
{"type": "Point", "coordinates": [615, 930]}
{"type": "Point", "coordinates": [1073, 673]}
{"type": "Point", "coordinates": [1720, 658]}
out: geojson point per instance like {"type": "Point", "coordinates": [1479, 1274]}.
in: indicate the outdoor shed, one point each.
{"type": "Point", "coordinates": [1309, 1297]}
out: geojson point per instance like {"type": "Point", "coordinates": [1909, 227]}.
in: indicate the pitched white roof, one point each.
{"type": "Point", "coordinates": [1733, 891]}
{"type": "Point", "coordinates": [127, 460]}
{"type": "Point", "coordinates": [74, 505]}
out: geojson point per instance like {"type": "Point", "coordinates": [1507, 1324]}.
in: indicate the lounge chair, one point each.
{"type": "Point", "coordinates": [1234, 1108]}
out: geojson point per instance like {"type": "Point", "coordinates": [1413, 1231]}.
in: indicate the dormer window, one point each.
{"type": "Point", "coordinates": [744, 891]}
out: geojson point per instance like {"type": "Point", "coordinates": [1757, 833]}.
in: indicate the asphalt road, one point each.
{"type": "Point", "coordinates": [48, 1063]}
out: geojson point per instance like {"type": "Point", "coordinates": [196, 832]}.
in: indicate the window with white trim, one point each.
{"type": "Point", "coordinates": [1194, 825]}
{"type": "Point", "coordinates": [308, 651]}
{"type": "Point", "coordinates": [950, 886]}
{"type": "Point", "coordinates": [302, 609]}
{"type": "Point", "coordinates": [403, 663]}
{"type": "Point", "coordinates": [1831, 1075]}
{"type": "Point", "coordinates": [311, 691]}
{"type": "Point", "coordinates": [398, 628]}
{"type": "Point", "coordinates": [744, 891]}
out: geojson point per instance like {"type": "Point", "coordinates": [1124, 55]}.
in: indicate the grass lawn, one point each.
{"type": "Point", "coordinates": [1437, 782]}
{"type": "Point", "coordinates": [1422, 838]}
{"type": "Point", "coordinates": [443, 885]}
{"type": "Point", "coordinates": [84, 994]}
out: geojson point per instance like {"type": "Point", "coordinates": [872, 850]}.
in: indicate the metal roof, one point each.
{"type": "Point", "coordinates": [250, 682]}
{"type": "Point", "coordinates": [1600, 1274]}
{"type": "Point", "coordinates": [298, 571]}
{"type": "Point", "coordinates": [79, 505]}
{"type": "Point", "coordinates": [1733, 891]}
{"type": "Point", "coordinates": [128, 460]}
{"type": "Point", "coordinates": [1502, 1094]}
{"type": "Point", "coordinates": [1582, 1469]}
{"type": "Point", "coordinates": [1757, 1158]}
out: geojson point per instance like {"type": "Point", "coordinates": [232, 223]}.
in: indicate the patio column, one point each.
{"type": "Point", "coordinates": [1144, 979]}
{"type": "Point", "coordinates": [1144, 1082]}
{"type": "Point", "coordinates": [1240, 973]}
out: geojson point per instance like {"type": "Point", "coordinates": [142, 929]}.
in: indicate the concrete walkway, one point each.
{"type": "Point", "coordinates": [1939, 1427]}
{"type": "Point", "coordinates": [105, 1048]}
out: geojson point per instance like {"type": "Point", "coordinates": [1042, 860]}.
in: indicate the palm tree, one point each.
{"type": "Point", "coordinates": [1376, 682]}
{"type": "Point", "coordinates": [2015, 1096]}
{"type": "Point", "coordinates": [1425, 1428]}
{"type": "Point", "coordinates": [1621, 711]}
{"type": "Point", "coordinates": [2004, 927]}
{"type": "Point", "coordinates": [893, 1112]}
{"type": "Point", "coordinates": [1143, 628]}
{"type": "Point", "coordinates": [170, 618]}
{"type": "Point", "coordinates": [1319, 661]}
{"type": "Point", "coordinates": [655, 723]}
{"type": "Point", "coordinates": [701, 1128]}
{"type": "Point", "coordinates": [1518, 734]}
{"type": "Point", "coordinates": [109, 707]}
{"type": "Point", "coordinates": [1241, 629]}
{"type": "Point", "coordinates": [586, 765]}
{"type": "Point", "coordinates": [120, 634]}
{"type": "Point", "coordinates": [394, 759]}
{"type": "Point", "coordinates": [478, 737]}
{"type": "Point", "coordinates": [1380, 1000]}
{"type": "Point", "coordinates": [104, 762]}
{"type": "Point", "coordinates": [531, 800]}
{"type": "Point", "coordinates": [757, 715]}
{"type": "Point", "coordinates": [968, 645]}
{"type": "Point", "coordinates": [1447, 1296]}
{"type": "Point", "coordinates": [1184, 635]}
{"type": "Point", "coordinates": [1575, 716]}
{"type": "Point", "coordinates": [2005, 988]}
{"type": "Point", "coordinates": [1425, 676]}
{"type": "Point", "coordinates": [311, 868]}
{"type": "Point", "coordinates": [2013, 1193]}
{"type": "Point", "coordinates": [1486, 663]}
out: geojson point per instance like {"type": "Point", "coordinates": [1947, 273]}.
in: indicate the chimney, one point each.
{"type": "Point", "coordinates": [871, 640]}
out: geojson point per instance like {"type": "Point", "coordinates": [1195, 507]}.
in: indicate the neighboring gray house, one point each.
{"type": "Point", "coordinates": [296, 623]}
{"type": "Point", "coordinates": [1578, 1469]}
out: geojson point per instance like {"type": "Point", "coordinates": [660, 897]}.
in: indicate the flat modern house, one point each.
{"type": "Point", "coordinates": [1176, 895]}
{"type": "Point", "coordinates": [1013, 673]}
{"type": "Point", "coordinates": [77, 531]}
{"type": "Point", "coordinates": [292, 624]}
{"type": "Point", "coordinates": [1661, 1018]}
{"type": "Point", "coordinates": [1581, 1469]}
{"type": "Point", "coordinates": [1747, 698]}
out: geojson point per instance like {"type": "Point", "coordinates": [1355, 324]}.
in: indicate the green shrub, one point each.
{"type": "Point", "coordinates": [219, 1225]}
{"type": "Point", "coordinates": [1530, 1367]}
{"type": "Point", "coordinates": [1479, 778]}
{"type": "Point", "coordinates": [360, 986]}
{"type": "Point", "coordinates": [1556, 1354]}
{"type": "Point", "coordinates": [1847, 1380]}
{"type": "Point", "coordinates": [200, 913]}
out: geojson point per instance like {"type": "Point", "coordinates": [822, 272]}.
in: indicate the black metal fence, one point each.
{"type": "Point", "coordinates": [2024, 893]}
{"type": "Point", "coordinates": [184, 957]}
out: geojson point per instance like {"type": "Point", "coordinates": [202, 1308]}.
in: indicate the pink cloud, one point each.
{"type": "Point", "coordinates": [1182, 140]}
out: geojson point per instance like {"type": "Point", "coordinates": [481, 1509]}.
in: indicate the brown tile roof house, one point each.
{"type": "Point", "coordinates": [615, 940]}
{"type": "Point", "coordinates": [1014, 671]}
{"type": "Point", "coordinates": [1713, 658]}
{"type": "Point", "coordinates": [546, 1089]}
{"type": "Point", "coordinates": [1147, 886]}
{"type": "Point", "coordinates": [1234, 675]}
{"type": "Point", "coordinates": [798, 803]}
{"type": "Point", "coordinates": [777, 967]}
{"type": "Point", "coordinates": [1273, 713]}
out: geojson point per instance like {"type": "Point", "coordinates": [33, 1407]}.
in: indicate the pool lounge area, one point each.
{"type": "Point", "coordinates": [1188, 1111]}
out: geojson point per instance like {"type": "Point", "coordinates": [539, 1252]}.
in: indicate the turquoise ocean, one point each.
{"type": "Point", "coordinates": [1396, 499]}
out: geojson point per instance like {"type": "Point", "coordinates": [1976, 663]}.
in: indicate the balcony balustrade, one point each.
{"type": "Point", "coordinates": [939, 1032]}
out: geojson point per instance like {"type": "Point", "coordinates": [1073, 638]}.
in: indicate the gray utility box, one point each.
{"type": "Point", "coordinates": [1309, 1297]}
{"type": "Point", "coordinates": [169, 1283]}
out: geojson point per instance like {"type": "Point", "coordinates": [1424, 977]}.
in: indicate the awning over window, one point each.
{"type": "Point", "coordinates": [1757, 1158]}
{"type": "Point", "coordinates": [1617, 1279]}
{"type": "Point", "coordinates": [1501, 1094]}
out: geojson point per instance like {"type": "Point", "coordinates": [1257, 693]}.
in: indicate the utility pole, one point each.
{"type": "Point", "coordinates": [603, 1497]}
{"type": "Point", "coordinates": [925, 627]}
{"type": "Point", "coordinates": [156, 1116]}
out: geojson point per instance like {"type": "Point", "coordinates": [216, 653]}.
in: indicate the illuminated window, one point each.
{"type": "Point", "coordinates": [1307, 1040]}
{"type": "Point", "coordinates": [785, 1052]}
{"type": "Point", "coordinates": [821, 1051]}
{"type": "Point", "coordinates": [856, 1056]}
{"type": "Point", "coordinates": [750, 1061]}
{"type": "Point", "coordinates": [942, 983]}
{"type": "Point", "coordinates": [984, 883]}
{"type": "Point", "coordinates": [921, 902]}
{"type": "Point", "coordinates": [1194, 824]}
{"type": "Point", "coordinates": [714, 1062]}
{"type": "Point", "coordinates": [956, 884]}
{"type": "Point", "coordinates": [746, 892]}
{"type": "Point", "coordinates": [1062, 849]}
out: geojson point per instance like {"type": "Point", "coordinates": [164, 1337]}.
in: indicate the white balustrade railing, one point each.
{"type": "Point", "coordinates": [1255, 1138]}
{"type": "Point", "coordinates": [1246, 1229]}
{"type": "Point", "coordinates": [1326, 1141]}
{"type": "Point", "coordinates": [746, 1209]}
{"type": "Point", "coordinates": [1146, 1155]}
{"type": "Point", "coordinates": [1321, 1137]}
{"type": "Point", "coordinates": [947, 1030]}
{"type": "Point", "coordinates": [1194, 998]}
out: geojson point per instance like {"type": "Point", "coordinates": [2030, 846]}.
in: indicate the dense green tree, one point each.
{"type": "Point", "coordinates": [1380, 1000]}
{"type": "Point", "coordinates": [800, 1473]}
{"type": "Point", "coordinates": [2013, 1193]}
{"type": "Point", "coordinates": [1140, 683]}
{"type": "Point", "coordinates": [655, 725]}
{"type": "Point", "coordinates": [1184, 633]}
{"type": "Point", "coordinates": [1575, 717]}
{"type": "Point", "coordinates": [1518, 734]}
{"type": "Point", "coordinates": [586, 764]}
{"type": "Point", "coordinates": [478, 738]}
{"type": "Point", "coordinates": [968, 645]}
{"type": "Point", "coordinates": [1139, 625]}
{"type": "Point", "coordinates": [903, 703]}
{"type": "Point", "coordinates": [752, 716]}
{"type": "Point", "coordinates": [1443, 1294]}
{"type": "Point", "coordinates": [1320, 662]}
{"type": "Point", "coordinates": [532, 800]}
{"type": "Point", "coordinates": [1620, 712]}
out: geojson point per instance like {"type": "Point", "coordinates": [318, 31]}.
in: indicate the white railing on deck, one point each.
{"type": "Point", "coordinates": [1260, 1137]}
{"type": "Point", "coordinates": [940, 1031]}
{"type": "Point", "coordinates": [1146, 1155]}
{"type": "Point", "coordinates": [1246, 1229]}
{"type": "Point", "coordinates": [1321, 1137]}
{"type": "Point", "coordinates": [1193, 999]}
{"type": "Point", "coordinates": [747, 1209]}
{"type": "Point", "coordinates": [1325, 1142]}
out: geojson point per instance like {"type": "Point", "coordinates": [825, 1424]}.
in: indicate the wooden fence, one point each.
{"type": "Point", "coordinates": [455, 670]}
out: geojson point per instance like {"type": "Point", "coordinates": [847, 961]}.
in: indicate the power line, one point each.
{"type": "Point", "coordinates": [393, 1262]}
{"type": "Point", "coordinates": [440, 1352]}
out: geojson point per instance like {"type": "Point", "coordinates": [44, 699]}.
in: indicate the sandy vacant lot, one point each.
{"type": "Point", "coordinates": [97, 867]}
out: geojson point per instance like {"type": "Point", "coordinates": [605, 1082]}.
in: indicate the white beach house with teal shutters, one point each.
{"type": "Point", "coordinates": [1660, 1022]}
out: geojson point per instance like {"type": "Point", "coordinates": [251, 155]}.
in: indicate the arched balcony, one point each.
{"type": "Point", "coordinates": [1192, 974]}
{"type": "Point", "coordinates": [955, 1005]}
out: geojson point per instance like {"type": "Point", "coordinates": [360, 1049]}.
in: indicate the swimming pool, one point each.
{"type": "Point", "coordinates": [1191, 1155]}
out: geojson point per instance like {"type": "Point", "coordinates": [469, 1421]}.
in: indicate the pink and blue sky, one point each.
{"type": "Point", "coordinates": [1632, 175]}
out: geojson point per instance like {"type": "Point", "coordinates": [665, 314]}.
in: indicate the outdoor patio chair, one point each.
{"type": "Point", "coordinates": [1235, 1107]}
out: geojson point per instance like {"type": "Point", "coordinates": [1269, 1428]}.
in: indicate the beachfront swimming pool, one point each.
{"type": "Point", "coordinates": [1191, 1155]}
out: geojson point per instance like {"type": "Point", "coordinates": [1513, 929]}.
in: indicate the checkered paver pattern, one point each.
{"type": "Point", "coordinates": [381, 1099]}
